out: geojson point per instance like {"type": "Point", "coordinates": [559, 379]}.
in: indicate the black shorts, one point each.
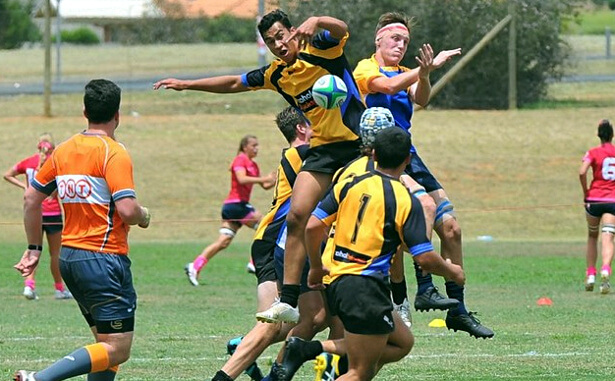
{"type": "Point", "coordinates": [328, 158]}
{"type": "Point", "coordinates": [262, 256]}
{"type": "Point", "coordinates": [236, 211]}
{"type": "Point", "coordinates": [421, 174]}
{"type": "Point", "coordinates": [278, 254]}
{"type": "Point", "coordinates": [362, 303]}
{"type": "Point", "coordinates": [597, 209]}
{"type": "Point", "coordinates": [52, 224]}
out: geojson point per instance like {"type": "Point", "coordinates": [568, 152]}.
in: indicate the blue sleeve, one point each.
{"type": "Point", "coordinates": [324, 40]}
{"type": "Point", "coordinates": [327, 207]}
{"type": "Point", "coordinates": [46, 189]}
{"type": "Point", "coordinates": [415, 231]}
{"type": "Point", "coordinates": [254, 78]}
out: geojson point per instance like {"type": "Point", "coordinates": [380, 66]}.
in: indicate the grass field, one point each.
{"type": "Point", "coordinates": [511, 175]}
{"type": "Point", "coordinates": [182, 330]}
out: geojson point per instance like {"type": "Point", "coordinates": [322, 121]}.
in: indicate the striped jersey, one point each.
{"type": "Point", "coordinates": [273, 224]}
{"type": "Point", "coordinates": [399, 103]}
{"type": "Point", "coordinates": [324, 55]}
{"type": "Point", "coordinates": [373, 214]}
{"type": "Point", "coordinates": [90, 172]}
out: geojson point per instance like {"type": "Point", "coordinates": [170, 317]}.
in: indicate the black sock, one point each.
{"type": "Point", "coordinates": [290, 294]}
{"type": "Point", "coordinates": [454, 291]}
{"type": "Point", "coordinates": [342, 365]}
{"type": "Point", "coordinates": [399, 292]}
{"type": "Point", "coordinates": [423, 282]}
{"type": "Point", "coordinates": [312, 349]}
{"type": "Point", "coordinates": [221, 376]}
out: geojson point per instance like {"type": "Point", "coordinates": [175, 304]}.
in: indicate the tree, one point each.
{"type": "Point", "coordinates": [447, 24]}
{"type": "Point", "coordinates": [16, 25]}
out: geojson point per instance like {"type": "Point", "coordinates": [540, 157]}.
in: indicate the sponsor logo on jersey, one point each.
{"type": "Point", "coordinates": [305, 101]}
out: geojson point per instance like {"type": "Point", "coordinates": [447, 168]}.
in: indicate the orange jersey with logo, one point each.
{"type": "Point", "coordinates": [91, 172]}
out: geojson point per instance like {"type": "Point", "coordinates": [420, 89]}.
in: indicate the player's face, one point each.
{"type": "Point", "coordinates": [251, 148]}
{"type": "Point", "coordinates": [392, 47]}
{"type": "Point", "coordinates": [275, 39]}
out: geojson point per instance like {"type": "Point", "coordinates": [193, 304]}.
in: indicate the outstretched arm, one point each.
{"type": "Point", "coordinates": [220, 84]}
{"type": "Point", "coordinates": [403, 81]}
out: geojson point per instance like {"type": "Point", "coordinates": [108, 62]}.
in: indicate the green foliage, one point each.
{"type": "Point", "coordinates": [224, 28]}
{"type": "Point", "coordinates": [16, 26]}
{"type": "Point", "coordinates": [462, 23]}
{"type": "Point", "coordinates": [80, 36]}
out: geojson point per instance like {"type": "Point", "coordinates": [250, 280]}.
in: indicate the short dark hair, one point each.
{"type": "Point", "coordinates": [101, 100]}
{"type": "Point", "coordinates": [605, 130]}
{"type": "Point", "coordinates": [392, 147]}
{"type": "Point", "coordinates": [271, 18]}
{"type": "Point", "coordinates": [287, 121]}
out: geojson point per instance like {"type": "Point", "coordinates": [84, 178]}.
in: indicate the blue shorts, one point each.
{"type": "Point", "coordinates": [100, 283]}
{"type": "Point", "coordinates": [237, 212]}
{"type": "Point", "coordinates": [421, 174]}
{"type": "Point", "coordinates": [278, 256]}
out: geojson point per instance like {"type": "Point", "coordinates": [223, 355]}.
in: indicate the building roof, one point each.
{"type": "Point", "coordinates": [213, 8]}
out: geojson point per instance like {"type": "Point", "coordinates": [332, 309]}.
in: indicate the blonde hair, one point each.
{"type": "Point", "coordinates": [45, 147]}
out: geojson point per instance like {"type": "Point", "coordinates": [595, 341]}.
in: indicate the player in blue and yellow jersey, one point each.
{"type": "Point", "coordinates": [385, 83]}
{"type": "Point", "coordinates": [304, 54]}
{"type": "Point", "coordinates": [374, 214]}
{"type": "Point", "coordinates": [93, 176]}
{"type": "Point", "coordinates": [269, 238]}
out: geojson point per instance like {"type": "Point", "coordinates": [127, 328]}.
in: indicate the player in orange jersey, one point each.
{"type": "Point", "coordinates": [92, 174]}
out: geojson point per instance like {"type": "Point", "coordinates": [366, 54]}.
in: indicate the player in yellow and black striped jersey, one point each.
{"type": "Point", "coordinates": [374, 214]}
{"type": "Point", "coordinates": [245, 350]}
{"type": "Point", "coordinates": [304, 54]}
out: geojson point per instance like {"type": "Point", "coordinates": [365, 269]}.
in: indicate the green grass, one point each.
{"type": "Point", "coordinates": [594, 22]}
{"type": "Point", "coordinates": [182, 330]}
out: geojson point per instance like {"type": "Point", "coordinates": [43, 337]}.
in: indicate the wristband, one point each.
{"type": "Point", "coordinates": [35, 247]}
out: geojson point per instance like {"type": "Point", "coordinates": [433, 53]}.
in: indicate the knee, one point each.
{"type": "Point", "coordinates": [225, 242]}
{"type": "Point", "coordinates": [429, 206]}
{"type": "Point", "coordinates": [296, 220]}
{"type": "Point", "coordinates": [451, 231]}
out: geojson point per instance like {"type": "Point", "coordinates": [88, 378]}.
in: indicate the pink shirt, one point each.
{"type": "Point", "coordinates": [28, 166]}
{"type": "Point", "coordinates": [602, 161]}
{"type": "Point", "coordinates": [239, 192]}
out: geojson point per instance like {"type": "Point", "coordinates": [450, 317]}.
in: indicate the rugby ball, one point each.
{"type": "Point", "coordinates": [329, 91]}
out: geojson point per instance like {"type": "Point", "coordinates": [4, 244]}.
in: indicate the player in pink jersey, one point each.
{"type": "Point", "coordinates": [236, 209]}
{"type": "Point", "coordinates": [599, 200]}
{"type": "Point", "coordinates": [52, 215]}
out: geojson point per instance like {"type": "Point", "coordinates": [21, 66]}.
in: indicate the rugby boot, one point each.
{"type": "Point", "coordinates": [470, 324]}
{"type": "Point", "coordinates": [432, 299]}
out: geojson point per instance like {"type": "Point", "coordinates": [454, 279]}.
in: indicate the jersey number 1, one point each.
{"type": "Point", "coordinates": [364, 201]}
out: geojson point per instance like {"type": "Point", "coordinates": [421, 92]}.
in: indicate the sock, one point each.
{"type": "Point", "coordinates": [399, 292]}
{"type": "Point", "coordinates": [454, 291]}
{"type": "Point", "coordinates": [342, 365]}
{"type": "Point", "coordinates": [605, 268]}
{"type": "Point", "coordinates": [30, 283]}
{"type": "Point", "coordinates": [290, 295]}
{"type": "Point", "coordinates": [221, 376]}
{"type": "Point", "coordinates": [59, 286]}
{"type": "Point", "coordinates": [423, 282]}
{"type": "Point", "coordinates": [89, 359]}
{"type": "Point", "coordinates": [105, 375]}
{"type": "Point", "coordinates": [312, 349]}
{"type": "Point", "coordinates": [199, 263]}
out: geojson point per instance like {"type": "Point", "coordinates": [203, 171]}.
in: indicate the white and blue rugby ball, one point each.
{"type": "Point", "coordinates": [329, 91]}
